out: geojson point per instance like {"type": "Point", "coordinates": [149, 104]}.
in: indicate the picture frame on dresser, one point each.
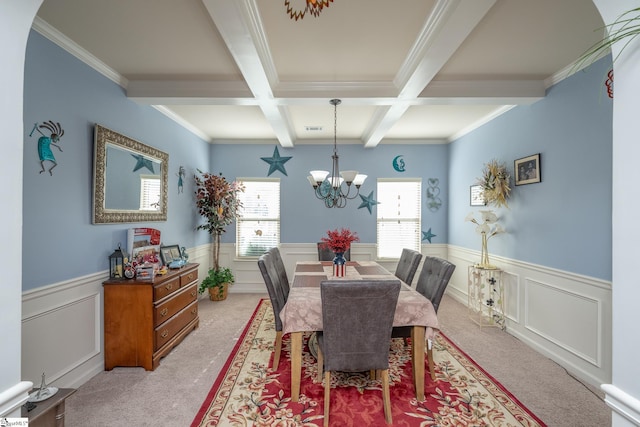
{"type": "Point", "coordinates": [169, 253]}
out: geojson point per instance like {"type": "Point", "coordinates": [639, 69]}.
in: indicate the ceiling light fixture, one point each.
{"type": "Point", "coordinates": [314, 7]}
{"type": "Point", "coordinates": [328, 187]}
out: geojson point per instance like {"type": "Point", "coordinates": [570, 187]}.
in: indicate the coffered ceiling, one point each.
{"type": "Point", "coordinates": [407, 71]}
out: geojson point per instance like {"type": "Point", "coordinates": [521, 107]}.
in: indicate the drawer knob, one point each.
{"type": "Point", "coordinates": [169, 286]}
{"type": "Point", "coordinates": [164, 312]}
{"type": "Point", "coordinates": [194, 311]}
{"type": "Point", "coordinates": [194, 293]}
{"type": "Point", "coordinates": [164, 333]}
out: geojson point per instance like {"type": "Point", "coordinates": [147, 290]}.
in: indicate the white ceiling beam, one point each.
{"type": "Point", "coordinates": [239, 24]}
{"type": "Point", "coordinates": [177, 92]}
{"type": "Point", "coordinates": [448, 25]}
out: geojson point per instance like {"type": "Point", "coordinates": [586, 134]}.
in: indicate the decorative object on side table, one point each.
{"type": "Point", "coordinates": [339, 241]}
{"type": "Point", "coordinates": [171, 256]}
{"type": "Point", "coordinates": [487, 228]}
{"type": "Point", "coordinates": [217, 200]}
{"type": "Point", "coordinates": [117, 261]}
{"type": "Point", "coordinates": [495, 184]}
{"type": "Point", "coordinates": [43, 393]}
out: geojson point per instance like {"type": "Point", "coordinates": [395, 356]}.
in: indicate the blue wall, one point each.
{"type": "Point", "coordinates": [59, 240]}
{"type": "Point", "coordinates": [564, 222]}
{"type": "Point", "coordinates": [304, 218]}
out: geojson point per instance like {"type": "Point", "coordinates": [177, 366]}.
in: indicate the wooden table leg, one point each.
{"type": "Point", "coordinates": [418, 360]}
{"type": "Point", "coordinates": [296, 364]}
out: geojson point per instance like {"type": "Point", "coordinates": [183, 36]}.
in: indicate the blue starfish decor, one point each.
{"type": "Point", "coordinates": [276, 163]}
{"type": "Point", "coordinates": [368, 202]}
{"type": "Point", "coordinates": [142, 163]}
{"type": "Point", "coordinates": [427, 235]}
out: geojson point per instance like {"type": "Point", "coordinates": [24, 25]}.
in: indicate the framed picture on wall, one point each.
{"type": "Point", "coordinates": [527, 170]}
{"type": "Point", "coordinates": [477, 196]}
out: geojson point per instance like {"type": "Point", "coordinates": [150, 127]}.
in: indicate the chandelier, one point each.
{"type": "Point", "coordinates": [328, 187]}
{"type": "Point", "coordinates": [301, 7]}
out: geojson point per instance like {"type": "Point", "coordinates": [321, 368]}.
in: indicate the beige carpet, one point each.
{"type": "Point", "coordinates": [172, 394]}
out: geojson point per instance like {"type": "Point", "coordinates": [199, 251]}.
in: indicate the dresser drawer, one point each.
{"type": "Point", "coordinates": [167, 288]}
{"type": "Point", "coordinates": [189, 277]}
{"type": "Point", "coordinates": [169, 329]}
{"type": "Point", "coordinates": [164, 311]}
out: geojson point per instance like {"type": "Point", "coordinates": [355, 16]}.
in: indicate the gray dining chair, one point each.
{"type": "Point", "coordinates": [326, 254]}
{"type": "Point", "coordinates": [357, 321]}
{"type": "Point", "coordinates": [278, 298]}
{"type": "Point", "coordinates": [282, 271]}
{"type": "Point", "coordinates": [432, 283]}
{"type": "Point", "coordinates": [408, 265]}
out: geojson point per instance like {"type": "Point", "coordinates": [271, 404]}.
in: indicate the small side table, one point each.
{"type": "Point", "coordinates": [50, 412]}
{"type": "Point", "coordinates": [486, 297]}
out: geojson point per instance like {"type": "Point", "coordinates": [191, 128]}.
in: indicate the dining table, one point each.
{"type": "Point", "coordinates": [303, 313]}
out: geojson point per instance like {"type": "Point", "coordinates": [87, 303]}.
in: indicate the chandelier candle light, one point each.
{"type": "Point", "coordinates": [328, 187]}
{"type": "Point", "coordinates": [487, 229]}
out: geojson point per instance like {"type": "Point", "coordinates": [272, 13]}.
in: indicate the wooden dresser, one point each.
{"type": "Point", "coordinates": [144, 320]}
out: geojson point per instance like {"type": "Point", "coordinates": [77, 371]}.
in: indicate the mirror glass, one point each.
{"type": "Point", "coordinates": [129, 180]}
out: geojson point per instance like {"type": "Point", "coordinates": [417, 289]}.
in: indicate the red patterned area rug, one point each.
{"type": "Point", "coordinates": [247, 392]}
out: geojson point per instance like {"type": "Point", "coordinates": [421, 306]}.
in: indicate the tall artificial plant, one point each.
{"type": "Point", "coordinates": [217, 200]}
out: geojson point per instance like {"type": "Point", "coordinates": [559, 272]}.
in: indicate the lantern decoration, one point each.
{"type": "Point", "coordinates": [117, 261]}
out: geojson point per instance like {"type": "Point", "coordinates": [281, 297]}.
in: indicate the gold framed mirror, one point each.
{"type": "Point", "coordinates": [130, 179]}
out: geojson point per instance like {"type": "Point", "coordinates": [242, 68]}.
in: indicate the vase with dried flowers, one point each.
{"type": "Point", "coordinates": [217, 200]}
{"type": "Point", "coordinates": [339, 241]}
{"type": "Point", "coordinates": [487, 227]}
{"type": "Point", "coordinates": [495, 183]}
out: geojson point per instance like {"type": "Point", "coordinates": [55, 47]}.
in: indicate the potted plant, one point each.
{"type": "Point", "coordinates": [217, 282]}
{"type": "Point", "coordinates": [217, 200]}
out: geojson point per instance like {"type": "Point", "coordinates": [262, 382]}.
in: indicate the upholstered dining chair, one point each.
{"type": "Point", "coordinates": [432, 282]}
{"type": "Point", "coordinates": [282, 271]}
{"type": "Point", "coordinates": [357, 321]}
{"type": "Point", "coordinates": [408, 265]}
{"type": "Point", "coordinates": [326, 254]}
{"type": "Point", "coordinates": [278, 298]}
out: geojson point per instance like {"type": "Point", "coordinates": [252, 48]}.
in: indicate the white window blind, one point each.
{"type": "Point", "coordinates": [258, 228]}
{"type": "Point", "coordinates": [150, 192]}
{"type": "Point", "coordinates": [399, 213]}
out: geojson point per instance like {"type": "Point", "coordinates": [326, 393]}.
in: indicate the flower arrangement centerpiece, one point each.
{"type": "Point", "coordinates": [487, 227]}
{"type": "Point", "coordinates": [339, 241]}
{"type": "Point", "coordinates": [495, 183]}
{"type": "Point", "coordinates": [217, 200]}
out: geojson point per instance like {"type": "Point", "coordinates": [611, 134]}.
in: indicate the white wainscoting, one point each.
{"type": "Point", "coordinates": [565, 316]}
{"type": "Point", "coordinates": [62, 328]}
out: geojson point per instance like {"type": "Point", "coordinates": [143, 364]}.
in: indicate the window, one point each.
{"type": "Point", "coordinates": [399, 216]}
{"type": "Point", "coordinates": [150, 192]}
{"type": "Point", "coordinates": [258, 228]}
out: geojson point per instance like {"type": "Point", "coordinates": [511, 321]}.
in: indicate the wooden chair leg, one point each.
{"type": "Point", "coordinates": [327, 388]}
{"type": "Point", "coordinates": [386, 397]}
{"type": "Point", "coordinates": [430, 358]}
{"type": "Point", "coordinates": [320, 364]}
{"type": "Point", "coordinates": [277, 351]}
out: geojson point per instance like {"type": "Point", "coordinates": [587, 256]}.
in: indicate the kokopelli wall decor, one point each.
{"type": "Point", "coordinates": [45, 142]}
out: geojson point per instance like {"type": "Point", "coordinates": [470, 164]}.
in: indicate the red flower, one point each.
{"type": "Point", "coordinates": [339, 240]}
